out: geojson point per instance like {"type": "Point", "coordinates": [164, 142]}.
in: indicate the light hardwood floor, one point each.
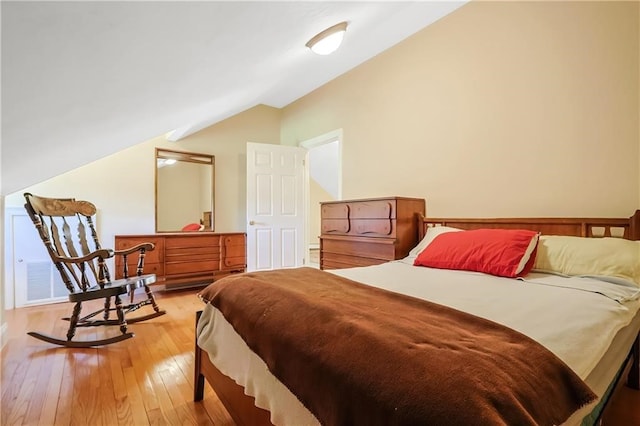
{"type": "Point", "coordinates": [140, 381]}
{"type": "Point", "coordinates": [144, 380]}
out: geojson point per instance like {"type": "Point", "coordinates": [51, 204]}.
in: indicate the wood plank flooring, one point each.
{"type": "Point", "coordinates": [144, 380]}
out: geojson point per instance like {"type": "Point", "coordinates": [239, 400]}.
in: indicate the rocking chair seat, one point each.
{"type": "Point", "coordinates": [114, 288]}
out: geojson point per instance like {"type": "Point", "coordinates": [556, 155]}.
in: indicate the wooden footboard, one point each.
{"type": "Point", "coordinates": [633, 379]}
{"type": "Point", "coordinates": [240, 406]}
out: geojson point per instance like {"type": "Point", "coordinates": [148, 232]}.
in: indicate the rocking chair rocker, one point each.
{"type": "Point", "coordinates": [80, 260]}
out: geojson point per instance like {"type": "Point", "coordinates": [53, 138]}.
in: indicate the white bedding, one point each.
{"type": "Point", "coordinates": [575, 318]}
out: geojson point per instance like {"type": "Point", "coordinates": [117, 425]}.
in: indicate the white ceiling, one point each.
{"type": "Point", "coordinates": [82, 80]}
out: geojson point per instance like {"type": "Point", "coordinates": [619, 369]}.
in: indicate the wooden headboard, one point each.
{"type": "Point", "coordinates": [628, 228]}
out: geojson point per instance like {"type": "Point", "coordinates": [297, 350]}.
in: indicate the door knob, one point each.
{"type": "Point", "coordinates": [251, 222]}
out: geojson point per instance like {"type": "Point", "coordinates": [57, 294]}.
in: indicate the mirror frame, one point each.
{"type": "Point", "coordinates": [190, 157]}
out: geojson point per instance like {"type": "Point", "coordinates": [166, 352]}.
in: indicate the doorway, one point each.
{"type": "Point", "coordinates": [325, 183]}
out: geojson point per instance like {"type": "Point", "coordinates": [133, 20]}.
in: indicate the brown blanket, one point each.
{"type": "Point", "coordinates": [355, 354]}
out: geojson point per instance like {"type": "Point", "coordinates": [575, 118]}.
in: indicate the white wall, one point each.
{"type": "Point", "coordinates": [324, 161]}
{"type": "Point", "coordinates": [3, 324]}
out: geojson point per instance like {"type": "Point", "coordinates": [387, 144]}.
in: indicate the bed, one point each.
{"type": "Point", "coordinates": [590, 323]}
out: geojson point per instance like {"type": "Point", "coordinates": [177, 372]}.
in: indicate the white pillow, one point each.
{"type": "Point", "coordinates": [579, 256]}
{"type": "Point", "coordinates": [432, 232]}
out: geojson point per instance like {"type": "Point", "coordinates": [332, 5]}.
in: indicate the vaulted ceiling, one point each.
{"type": "Point", "coordinates": [82, 80]}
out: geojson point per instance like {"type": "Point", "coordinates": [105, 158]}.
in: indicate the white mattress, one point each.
{"type": "Point", "coordinates": [589, 324]}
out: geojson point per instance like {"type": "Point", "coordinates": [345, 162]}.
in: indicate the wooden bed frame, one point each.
{"type": "Point", "coordinates": [242, 407]}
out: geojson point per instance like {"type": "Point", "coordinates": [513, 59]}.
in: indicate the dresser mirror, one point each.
{"type": "Point", "coordinates": [185, 185]}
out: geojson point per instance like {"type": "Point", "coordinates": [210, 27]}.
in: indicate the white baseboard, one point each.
{"type": "Point", "coordinates": [3, 334]}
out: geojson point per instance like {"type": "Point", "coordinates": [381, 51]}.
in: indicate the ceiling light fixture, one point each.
{"type": "Point", "coordinates": [329, 40]}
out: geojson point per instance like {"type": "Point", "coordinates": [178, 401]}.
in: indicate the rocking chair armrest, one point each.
{"type": "Point", "coordinates": [138, 247]}
{"type": "Point", "coordinates": [103, 253]}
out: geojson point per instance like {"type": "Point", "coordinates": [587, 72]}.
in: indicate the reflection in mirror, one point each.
{"type": "Point", "coordinates": [185, 183]}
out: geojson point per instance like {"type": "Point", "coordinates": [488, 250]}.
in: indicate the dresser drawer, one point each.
{"type": "Point", "coordinates": [335, 218]}
{"type": "Point", "coordinates": [195, 241]}
{"type": "Point", "coordinates": [384, 249]}
{"type": "Point", "coordinates": [338, 261]}
{"type": "Point", "coordinates": [234, 240]}
{"type": "Point", "coordinates": [234, 252]}
{"type": "Point", "coordinates": [233, 262]}
{"type": "Point", "coordinates": [189, 255]}
{"type": "Point", "coordinates": [335, 211]}
{"type": "Point", "coordinates": [152, 256]}
{"type": "Point", "coordinates": [234, 245]}
{"type": "Point", "coordinates": [192, 267]}
{"type": "Point", "coordinates": [196, 248]}
{"type": "Point", "coordinates": [333, 226]}
{"type": "Point", "coordinates": [373, 210]}
{"type": "Point", "coordinates": [149, 268]}
{"type": "Point", "coordinates": [152, 268]}
{"type": "Point", "coordinates": [374, 227]}
{"type": "Point", "coordinates": [192, 255]}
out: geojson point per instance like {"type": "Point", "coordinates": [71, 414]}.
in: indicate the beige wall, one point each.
{"type": "Point", "coordinates": [122, 185]}
{"type": "Point", "coordinates": [316, 195]}
{"type": "Point", "coordinates": [499, 109]}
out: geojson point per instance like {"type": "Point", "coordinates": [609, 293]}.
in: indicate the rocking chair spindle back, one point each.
{"type": "Point", "coordinates": [67, 229]}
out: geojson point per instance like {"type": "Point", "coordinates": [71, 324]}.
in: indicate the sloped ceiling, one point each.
{"type": "Point", "coordinates": [82, 80]}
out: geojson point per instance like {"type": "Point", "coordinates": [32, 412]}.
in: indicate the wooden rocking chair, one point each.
{"type": "Point", "coordinates": [80, 260]}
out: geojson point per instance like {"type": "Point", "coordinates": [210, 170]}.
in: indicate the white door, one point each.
{"type": "Point", "coordinates": [276, 200]}
{"type": "Point", "coordinates": [35, 278]}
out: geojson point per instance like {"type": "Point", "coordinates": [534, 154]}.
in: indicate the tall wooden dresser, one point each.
{"type": "Point", "coordinates": [187, 258]}
{"type": "Point", "coordinates": [368, 231]}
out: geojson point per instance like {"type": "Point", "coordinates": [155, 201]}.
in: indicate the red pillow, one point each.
{"type": "Point", "coordinates": [503, 252]}
{"type": "Point", "coordinates": [192, 227]}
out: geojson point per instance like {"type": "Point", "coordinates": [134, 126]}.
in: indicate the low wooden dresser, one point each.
{"type": "Point", "coordinates": [187, 258]}
{"type": "Point", "coordinates": [368, 231]}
